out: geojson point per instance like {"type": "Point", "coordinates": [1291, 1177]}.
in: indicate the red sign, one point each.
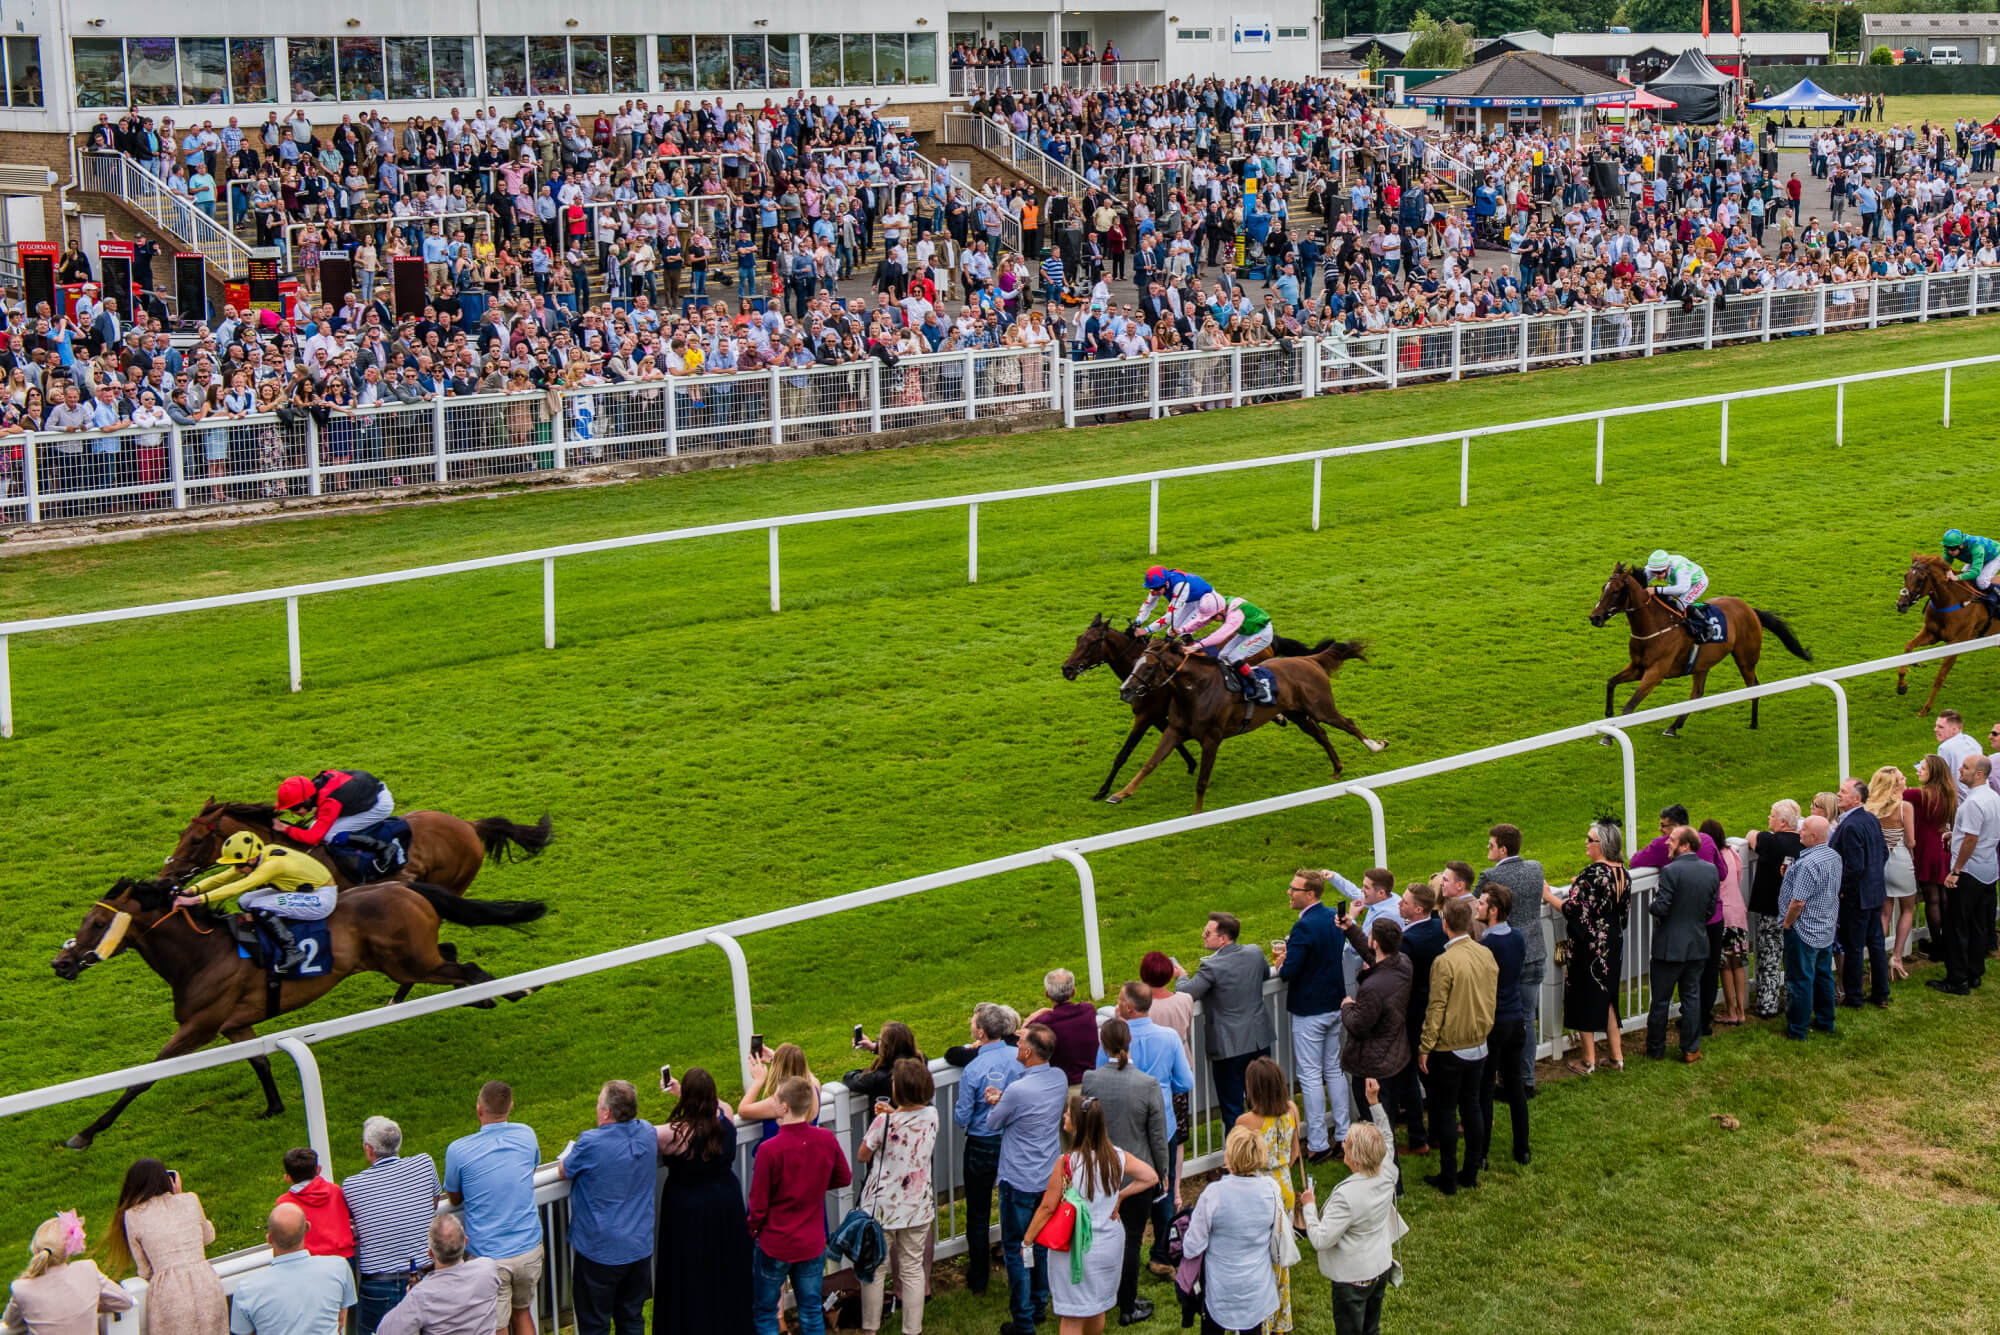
{"type": "Point", "coordinates": [44, 248]}
{"type": "Point", "coordinates": [114, 250]}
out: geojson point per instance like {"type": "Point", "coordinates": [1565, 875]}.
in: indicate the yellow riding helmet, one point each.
{"type": "Point", "coordinates": [240, 849]}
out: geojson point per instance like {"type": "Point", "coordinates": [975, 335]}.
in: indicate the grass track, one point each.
{"type": "Point", "coordinates": [706, 760]}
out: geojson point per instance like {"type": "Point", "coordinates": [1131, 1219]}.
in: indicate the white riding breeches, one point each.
{"type": "Point", "coordinates": [307, 905]}
{"type": "Point", "coordinates": [1241, 647]}
{"type": "Point", "coordinates": [1987, 573]}
{"type": "Point", "coordinates": [385, 807]}
{"type": "Point", "coordinates": [1692, 596]}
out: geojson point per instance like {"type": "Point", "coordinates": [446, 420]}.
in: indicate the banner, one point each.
{"type": "Point", "coordinates": [1704, 23]}
{"type": "Point", "coordinates": [1251, 32]}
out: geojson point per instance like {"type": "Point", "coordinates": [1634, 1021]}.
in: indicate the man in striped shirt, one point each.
{"type": "Point", "coordinates": [392, 1202]}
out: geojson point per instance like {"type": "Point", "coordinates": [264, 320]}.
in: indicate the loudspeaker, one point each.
{"type": "Point", "coordinates": [406, 273]}
{"type": "Point", "coordinates": [1768, 160]}
{"type": "Point", "coordinates": [191, 288]}
{"type": "Point", "coordinates": [1604, 181]}
{"type": "Point", "coordinates": [1669, 165]}
{"type": "Point", "coordinates": [336, 276]}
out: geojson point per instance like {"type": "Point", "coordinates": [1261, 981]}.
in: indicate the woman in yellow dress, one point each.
{"type": "Point", "coordinates": [1274, 1118]}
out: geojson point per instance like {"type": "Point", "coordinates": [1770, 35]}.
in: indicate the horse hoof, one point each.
{"type": "Point", "coordinates": [1115, 799]}
{"type": "Point", "coordinates": [1604, 741]}
{"type": "Point", "coordinates": [488, 1004]}
{"type": "Point", "coordinates": [1902, 688]}
{"type": "Point", "coordinates": [269, 1113]}
{"type": "Point", "coordinates": [1670, 733]}
{"type": "Point", "coordinates": [79, 1141]}
{"type": "Point", "coordinates": [1372, 744]}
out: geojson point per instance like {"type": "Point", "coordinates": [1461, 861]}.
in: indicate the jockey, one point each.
{"type": "Point", "coordinates": [1686, 581]}
{"type": "Point", "coordinates": [273, 883]}
{"type": "Point", "coordinates": [1981, 557]}
{"type": "Point", "coordinates": [1192, 602]}
{"type": "Point", "coordinates": [1245, 631]}
{"type": "Point", "coordinates": [344, 804]}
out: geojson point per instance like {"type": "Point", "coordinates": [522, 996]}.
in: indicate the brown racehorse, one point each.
{"type": "Point", "coordinates": [1954, 611]}
{"type": "Point", "coordinates": [1661, 641]}
{"type": "Point", "coordinates": [445, 850]}
{"type": "Point", "coordinates": [390, 928]}
{"type": "Point", "coordinates": [1203, 709]}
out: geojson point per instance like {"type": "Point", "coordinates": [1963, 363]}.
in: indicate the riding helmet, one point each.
{"type": "Point", "coordinates": [1953, 539]}
{"type": "Point", "coordinates": [294, 792]}
{"type": "Point", "coordinates": [1659, 560]}
{"type": "Point", "coordinates": [240, 849]}
{"type": "Point", "coordinates": [1156, 578]}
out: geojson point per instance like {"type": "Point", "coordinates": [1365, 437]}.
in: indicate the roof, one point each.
{"type": "Point", "coordinates": [1528, 39]}
{"type": "Point", "coordinates": [1598, 45]}
{"type": "Point", "coordinates": [1931, 25]}
{"type": "Point", "coordinates": [1521, 78]}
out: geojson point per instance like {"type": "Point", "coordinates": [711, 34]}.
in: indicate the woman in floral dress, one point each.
{"type": "Point", "coordinates": [1595, 912]}
{"type": "Point", "coordinates": [897, 1148]}
{"type": "Point", "coordinates": [1272, 1115]}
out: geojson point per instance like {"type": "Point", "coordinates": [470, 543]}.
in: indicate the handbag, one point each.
{"type": "Point", "coordinates": [1056, 1234]}
{"type": "Point", "coordinates": [1284, 1242]}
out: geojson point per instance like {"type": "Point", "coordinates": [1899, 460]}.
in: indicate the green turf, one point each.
{"type": "Point", "coordinates": [705, 760]}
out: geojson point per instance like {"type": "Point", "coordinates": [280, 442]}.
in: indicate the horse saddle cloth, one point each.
{"type": "Point", "coordinates": [255, 944]}
{"type": "Point", "coordinates": [1709, 625]}
{"type": "Point", "coordinates": [362, 866]}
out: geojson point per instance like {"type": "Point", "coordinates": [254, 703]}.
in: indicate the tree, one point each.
{"type": "Point", "coordinates": [1881, 55]}
{"type": "Point", "coordinates": [1438, 44]}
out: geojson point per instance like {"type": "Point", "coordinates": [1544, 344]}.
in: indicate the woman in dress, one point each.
{"type": "Point", "coordinates": [1595, 912]}
{"type": "Point", "coordinates": [1735, 946]}
{"type": "Point", "coordinates": [1899, 876]}
{"type": "Point", "coordinates": [897, 1148]}
{"type": "Point", "coordinates": [1273, 1118]}
{"type": "Point", "coordinates": [1934, 806]}
{"type": "Point", "coordinates": [58, 1295]}
{"type": "Point", "coordinates": [1083, 1283]}
{"type": "Point", "coordinates": [701, 1263]}
{"type": "Point", "coordinates": [1232, 1233]}
{"type": "Point", "coordinates": [160, 1231]}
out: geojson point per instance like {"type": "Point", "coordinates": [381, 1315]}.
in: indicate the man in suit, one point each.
{"type": "Point", "coordinates": [105, 328]}
{"type": "Point", "coordinates": [1423, 942]}
{"type": "Point", "coordinates": [1524, 878]}
{"type": "Point", "coordinates": [1310, 962]}
{"type": "Point", "coordinates": [1134, 1115]}
{"type": "Point", "coordinates": [1863, 855]}
{"type": "Point", "coordinates": [1230, 985]}
{"type": "Point", "coordinates": [1464, 987]}
{"type": "Point", "coordinates": [1682, 905]}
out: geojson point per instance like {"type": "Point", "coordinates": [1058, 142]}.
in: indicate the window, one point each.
{"type": "Point", "coordinates": [361, 70]}
{"type": "Point", "coordinates": [890, 68]}
{"type": "Point", "coordinates": [1195, 34]}
{"type": "Point", "coordinates": [312, 68]}
{"type": "Point", "coordinates": [782, 60]}
{"type": "Point", "coordinates": [204, 71]}
{"type": "Point", "coordinates": [250, 64]}
{"type": "Point", "coordinates": [407, 62]}
{"type": "Point", "coordinates": [151, 71]}
{"type": "Point", "coordinates": [746, 62]}
{"type": "Point", "coordinates": [628, 64]}
{"type": "Point", "coordinates": [676, 60]}
{"type": "Point", "coordinates": [857, 59]}
{"type": "Point", "coordinates": [824, 64]}
{"type": "Point", "coordinates": [100, 71]}
{"type": "Point", "coordinates": [24, 71]}
{"type": "Point", "coordinates": [711, 63]}
{"type": "Point", "coordinates": [923, 58]}
{"type": "Point", "coordinates": [590, 64]}
{"type": "Point", "coordinates": [1284, 33]}
{"type": "Point", "coordinates": [451, 67]}
{"type": "Point", "coordinates": [506, 67]}
{"type": "Point", "coordinates": [548, 65]}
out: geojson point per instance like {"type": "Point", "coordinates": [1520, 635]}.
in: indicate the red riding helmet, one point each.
{"type": "Point", "coordinates": [294, 792]}
{"type": "Point", "coordinates": [1156, 578]}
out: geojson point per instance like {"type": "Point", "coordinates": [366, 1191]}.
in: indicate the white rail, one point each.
{"type": "Point", "coordinates": [289, 594]}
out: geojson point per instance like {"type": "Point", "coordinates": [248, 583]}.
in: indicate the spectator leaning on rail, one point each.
{"type": "Point", "coordinates": [1231, 984]}
{"type": "Point", "coordinates": [298, 1293]}
{"type": "Point", "coordinates": [457, 1297]}
{"type": "Point", "coordinates": [1073, 1022]}
{"type": "Point", "coordinates": [613, 1175]}
{"type": "Point", "coordinates": [992, 1065]}
{"type": "Point", "coordinates": [1809, 906]}
{"type": "Point", "coordinates": [1464, 987]}
{"type": "Point", "coordinates": [1524, 878]}
{"type": "Point", "coordinates": [491, 1173]}
{"type": "Point", "coordinates": [1683, 902]}
{"type": "Point", "coordinates": [1310, 960]}
{"type": "Point", "coordinates": [325, 1208]}
{"type": "Point", "coordinates": [787, 1214]}
{"type": "Point", "coordinates": [391, 1202]}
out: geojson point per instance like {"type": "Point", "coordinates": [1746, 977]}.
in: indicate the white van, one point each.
{"type": "Point", "coordinates": [1946, 55]}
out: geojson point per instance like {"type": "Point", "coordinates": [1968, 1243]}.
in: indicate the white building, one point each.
{"type": "Point", "coordinates": [1951, 39]}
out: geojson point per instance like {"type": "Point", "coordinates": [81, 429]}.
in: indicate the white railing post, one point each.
{"type": "Point", "coordinates": [1725, 433]}
{"type": "Point", "coordinates": [1600, 451]}
{"type": "Point", "coordinates": [1378, 828]}
{"type": "Point", "coordinates": [314, 483]}
{"type": "Point", "coordinates": [1589, 337]}
{"type": "Point", "coordinates": [1153, 520]}
{"type": "Point", "coordinates": [1923, 298]}
{"type": "Point", "coordinates": [1651, 331]}
{"type": "Point", "coordinates": [1309, 363]}
{"type": "Point", "coordinates": [437, 436]}
{"type": "Point", "coordinates": [1819, 310]}
{"type": "Point", "coordinates": [176, 470]}
{"type": "Point", "coordinates": [1839, 720]}
{"type": "Point", "coordinates": [549, 602]}
{"type": "Point", "coordinates": [314, 1099]}
{"type": "Point", "coordinates": [559, 438]}
{"type": "Point", "coordinates": [1765, 316]}
{"type": "Point", "coordinates": [971, 388]}
{"type": "Point", "coordinates": [673, 445]}
{"type": "Point", "coordinates": [1631, 782]}
{"type": "Point", "coordinates": [1092, 952]}
{"type": "Point", "coordinates": [739, 985]}
{"type": "Point", "coordinates": [1839, 411]}
{"type": "Point", "coordinates": [777, 415]}
{"type": "Point", "coordinates": [774, 567]}
{"type": "Point", "coordinates": [1236, 377]}
{"type": "Point", "coordinates": [875, 396]}
{"type": "Point", "coordinates": [6, 692]}
{"type": "Point", "coordinates": [1708, 325]}
{"type": "Point", "coordinates": [1316, 470]}
{"type": "Point", "coordinates": [292, 641]}
{"type": "Point", "coordinates": [1524, 328]}
{"type": "Point", "coordinates": [31, 451]}
{"type": "Point", "coordinates": [1457, 351]}
{"type": "Point", "coordinates": [1947, 396]}
{"type": "Point", "coordinates": [1874, 315]}
{"type": "Point", "coordinates": [1464, 468]}
{"type": "Point", "coordinates": [1067, 369]}
{"type": "Point", "coordinates": [1389, 358]}
{"type": "Point", "coordinates": [972, 543]}
{"type": "Point", "coordinates": [1153, 409]}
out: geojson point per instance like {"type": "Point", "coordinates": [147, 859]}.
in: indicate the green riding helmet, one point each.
{"type": "Point", "coordinates": [1659, 560]}
{"type": "Point", "coordinates": [1953, 540]}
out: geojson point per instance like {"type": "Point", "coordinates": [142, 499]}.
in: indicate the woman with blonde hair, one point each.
{"type": "Point", "coordinates": [767, 1072]}
{"type": "Point", "coordinates": [59, 1294]}
{"type": "Point", "coordinates": [1356, 1234]}
{"type": "Point", "coordinates": [1235, 1232]}
{"type": "Point", "coordinates": [1886, 800]}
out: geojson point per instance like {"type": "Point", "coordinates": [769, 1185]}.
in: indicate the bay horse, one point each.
{"type": "Point", "coordinates": [1954, 611]}
{"type": "Point", "coordinates": [1201, 708]}
{"type": "Point", "coordinates": [390, 928]}
{"type": "Point", "coordinates": [1663, 647]}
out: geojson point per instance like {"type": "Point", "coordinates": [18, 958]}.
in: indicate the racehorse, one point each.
{"type": "Point", "coordinates": [1662, 644]}
{"type": "Point", "coordinates": [1954, 611]}
{"type": "Point", "coordinates": [1102, 643]}
{"type": "Point", "coordinates": [1201, 708]}
{"type": "Point", "coordinates": [390, 928]}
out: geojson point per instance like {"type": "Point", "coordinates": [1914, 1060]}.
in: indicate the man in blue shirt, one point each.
{"type": "Point", "coordinates": [1028, 1114]}
{"type": "Point", "coordinates": [994, 1066]}
{"type": "Point", "coordinates": [1809, 908]}
{"type": "Point", "coordinates": [1311, 961]}
{"type": "Point", "coordinates": [612, 1175]}
{"type": "Point", "coordinates": [298, 1293]}
{"type": "Point", "coordinates": [491, 1173]}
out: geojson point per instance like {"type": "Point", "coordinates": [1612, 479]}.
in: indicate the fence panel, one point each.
{"type": "Point", "coordinates": [1012, 380]}
{"type": "Point", "coordinates": [1272, 371]}
{"type": "Point", "coordinates": [1898, 300]}
{"type": "Point", "coordinates": [1793, 312]}
{"type": "Point", "coordinates": [1986, 283]}
{"type": "Point", "coordinates": [1353, 363]}
{"type": "Point", "coordinates": [491, 435]}
{"type": "Point", "coordinates": [1738, 319]}
{"type": "Point", "coordinates": [1848, 304]}
{"type": "Point", "coordinates": [1948, 294]}
{"type": "Point", "coordinates": [924, 391]}
{"type": "Point", "coordinates": [1106, 389]}
{"type": "Point", "coordinates": [1616, 333]}
{"type": "Point", "coordinates": [1423, 354]}
{"type": "Point", "coordinates": [1487, 348]}
{"type": "Point", "coordinates": [390, 446]}
{"type": "Point", "coordinates": [613, 422]}
{"type": "Point", "coordinates": [103, 473]}
{"type": "Point", "coordinates": [828, 402]}
{"type": "Point", "coordinates": [1191, 381]}
{"type": "Point", "coordinates": [1556, 338]}
{"type": "Point", "coordinates": [717, 413]}
{"type": "Point", "coordinates": [1674, 327]}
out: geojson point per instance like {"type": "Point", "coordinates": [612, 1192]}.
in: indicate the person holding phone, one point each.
{"type": "Point", "coordinates": [875, 1081]}
{"type": "Point", "coordinates": [701, 1261]}
{"type": "Point", "coordinates": [160, 1233]}
{"type": "Point", "coordinates": [768, 1070]}
{"type": "Point", "coordinates": [1356, 1233]}
{"type": "Point", "coordinates": [897, 1148]}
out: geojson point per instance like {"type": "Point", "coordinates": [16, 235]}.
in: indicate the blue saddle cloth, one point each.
{"type": "Point", "coordinates": [363, 868]}
{"type": "Point", "coordinates": [1267, 684]}
{"type": "Point", "coordinates": [1708, 623]}
{"type": "Point", "coordinates": [315, 939]}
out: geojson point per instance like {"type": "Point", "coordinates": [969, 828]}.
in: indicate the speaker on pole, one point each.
{"type": "Point", "coordinates": [1670, 165]}
{"type": "Point", "coordinates": [1604, 181]}
{"type": "Point", "coordinates": [191, 288]}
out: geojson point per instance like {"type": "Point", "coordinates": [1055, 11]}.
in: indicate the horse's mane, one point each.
{"type": "Point", "coordinates": [1932, 560]}
{"type": "Point", "coordinates": [157, 896]}
{"type": "Point", "coordinates": [263, 813]}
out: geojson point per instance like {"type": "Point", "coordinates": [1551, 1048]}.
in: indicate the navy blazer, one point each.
{"type": "Point", "coordinates": [1423, 942]}
{"type": "Point", "coordinates": [1864, 854]}
{"type": "Point", "coordinates": [1313, 967]}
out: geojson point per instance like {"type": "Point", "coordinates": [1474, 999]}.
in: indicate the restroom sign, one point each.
{"type": "Point", "coordinates": [1251, 32]}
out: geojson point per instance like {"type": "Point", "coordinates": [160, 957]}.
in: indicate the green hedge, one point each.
{"type": "Point", "coordinates": [1892, 80]}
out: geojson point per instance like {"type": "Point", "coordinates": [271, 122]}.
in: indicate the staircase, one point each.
{"type": "Point", "coordinates": [147, 197]}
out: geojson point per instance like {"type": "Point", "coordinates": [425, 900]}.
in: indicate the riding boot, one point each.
{"type": "Point", "coordinates": [381, 853]}
{"type": "Point", "coordinates": [281, 932]}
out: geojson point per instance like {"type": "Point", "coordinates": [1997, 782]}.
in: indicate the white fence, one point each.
{"type": "Point", "coordinates": [973, 81]}
{"type": "Point", "coordinates": [813, 400]}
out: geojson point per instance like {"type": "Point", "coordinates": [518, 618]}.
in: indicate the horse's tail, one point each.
{"type": "Point", "coordinates": [1284, 646]}
{"type": "Point", "coordinates": [1332, 653]}
{"type": "Point", "coordinates": [479, 912]}
{"type": "Point", "coordinates": [1774, 623]}
{"type": "Point", "coordinates": [507, 842]}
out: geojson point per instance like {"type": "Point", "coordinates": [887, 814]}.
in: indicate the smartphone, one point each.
{"type": "Point", "coordinates": [860, 1035]}
{"type": "Point", "coordinates": [1176, 963]}
{"type": "Point", "coordinates": [174, 1176]}
{"type": "Point", "coordinates": [756, 1045]}
{"type": "Point", "coordinates": [666, 1077]}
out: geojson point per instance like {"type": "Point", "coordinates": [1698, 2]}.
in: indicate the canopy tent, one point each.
{"type": "Point", "coordinates": [1805, 95]}
{"type": "Point", "coordinates": [1699, 91]}
{"type": "Point", "coordinates": [1644, 100]}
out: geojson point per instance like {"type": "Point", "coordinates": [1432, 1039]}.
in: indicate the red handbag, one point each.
{"type": "Point", "coordinates": [1056, 1234]}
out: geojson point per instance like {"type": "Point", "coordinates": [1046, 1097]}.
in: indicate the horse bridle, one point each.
{"type": "Point", "coordinates": [1930, 595]}
{"type": "Point", "coordinates": [108, 944]}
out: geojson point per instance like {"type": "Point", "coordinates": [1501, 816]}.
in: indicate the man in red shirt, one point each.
{"type": "Point", "coordinates": [795, 1170]}
{"type": "Point", "coordinates": [1793, 189]}
{"type": "Point", "coordinates": [330, 1231]}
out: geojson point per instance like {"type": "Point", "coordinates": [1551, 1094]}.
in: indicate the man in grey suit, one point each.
{"type": "Point", "coordinates": [1525, 878]}
{"type": "Point", "coordinates": [1135, 1116]}
{"type": "Point", "coordinates": [1683, 903]}
{"type": "Point", "coordinates": [1230, 986]}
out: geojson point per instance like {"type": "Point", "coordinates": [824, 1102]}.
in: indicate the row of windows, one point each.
{"type": "Point", "coordinates": [200, 71]}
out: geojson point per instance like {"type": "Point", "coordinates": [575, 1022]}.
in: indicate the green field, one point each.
{"type": "Point", "coordinates": [705, 760]}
